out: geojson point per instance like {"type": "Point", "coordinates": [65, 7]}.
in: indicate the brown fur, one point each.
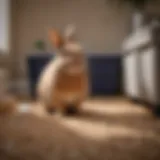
{"type": "Point", "coordinates": [73, 83]}
{"type": "Point", "coordinates": [55, 38]}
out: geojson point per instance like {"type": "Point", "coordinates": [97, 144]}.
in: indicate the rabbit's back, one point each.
{"type": "Point", "coordinates": [46, 81]}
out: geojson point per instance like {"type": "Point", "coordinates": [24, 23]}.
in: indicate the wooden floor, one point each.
{"type": "Point", "coordinates": [106, 129]}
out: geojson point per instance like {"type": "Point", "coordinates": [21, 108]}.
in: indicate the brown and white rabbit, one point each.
{"type": "Point", "coordinates": [63, 84]}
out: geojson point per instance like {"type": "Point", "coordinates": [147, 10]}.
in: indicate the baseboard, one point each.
{"type": "Point", "coordinates": [154, 108]}
{"type": "Point", "coordinates": [134, 100]}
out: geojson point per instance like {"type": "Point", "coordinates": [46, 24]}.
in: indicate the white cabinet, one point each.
{"type": "Point", "coordinates": [130, 78]}
{"type": "Point", "coordinates": [141, 66]}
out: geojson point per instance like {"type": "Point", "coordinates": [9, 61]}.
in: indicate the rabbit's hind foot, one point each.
{"type": "Point", "coordinates": [51, 110]}
{"type": "Point", "coordinates": [70, 109]}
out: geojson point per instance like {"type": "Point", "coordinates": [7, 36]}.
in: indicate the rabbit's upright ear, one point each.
{"type": "Point", "coordinates": [70, 33]}
{"type": "Point", "coordinates": [56, 38]}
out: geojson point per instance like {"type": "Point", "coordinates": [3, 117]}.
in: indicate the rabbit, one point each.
{"type": "Point", "coordinates": [63, 84]}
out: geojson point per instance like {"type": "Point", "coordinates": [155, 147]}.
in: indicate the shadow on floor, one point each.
{"type": "Point", "coordinates": [139, 121]}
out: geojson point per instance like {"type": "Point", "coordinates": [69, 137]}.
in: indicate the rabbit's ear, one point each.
{"type": "Point", "coordinates": [70, 32]}
{"type": "Point", "coordinates": [56, 38]}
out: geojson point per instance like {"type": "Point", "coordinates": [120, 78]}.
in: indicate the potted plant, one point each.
{"type": "Point", "coordinates": [40, 46]}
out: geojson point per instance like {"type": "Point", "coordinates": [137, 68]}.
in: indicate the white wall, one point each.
{"type": "Point", "coordinates": [100, 27]}
{"type": "Point", "coordinates": [4, 25]}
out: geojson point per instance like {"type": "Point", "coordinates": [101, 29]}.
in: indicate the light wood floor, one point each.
{"type": "Point", "coordinates": [106, 129]}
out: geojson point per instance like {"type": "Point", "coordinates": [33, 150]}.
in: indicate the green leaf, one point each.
{"type": "Point", "coordinates": [40, 45]}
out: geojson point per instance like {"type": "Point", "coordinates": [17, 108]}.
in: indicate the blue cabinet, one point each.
{"type": "Point", "coordinates": [105, 72]}
{"type": "Point", "coordinates": [35, 65]}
